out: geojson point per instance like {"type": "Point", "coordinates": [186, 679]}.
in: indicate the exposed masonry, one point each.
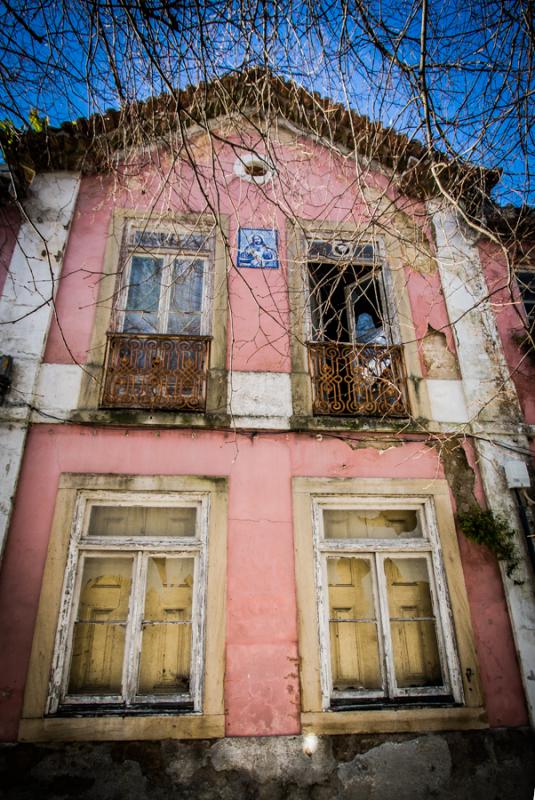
{"type": "Point", "coordinates": [260, 399]}
{"type": "Point", "coordinates": [519, 595]}
{"type": "Point", "coordinates": [488, 389]}
{"type": "Point", "coordinates": [491, 398]}
{"type": "Point", "coordinates": [26, 309]}
{"type": "Point", "coordinates": [490, 765]}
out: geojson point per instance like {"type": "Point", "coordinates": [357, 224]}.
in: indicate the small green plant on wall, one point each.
{"type": "Point", "coordinates": [493, 531]}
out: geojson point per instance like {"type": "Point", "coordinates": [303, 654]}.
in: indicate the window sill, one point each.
{"type": "Point", "coordinates": [121, 728]}
{"type": "Point", "coordinates": [399, 720]}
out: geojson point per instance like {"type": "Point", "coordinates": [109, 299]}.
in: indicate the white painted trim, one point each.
{"type": "Point", "coordinates": [487, 384]}
{"type": "Point", "coordinates": [58, 389]}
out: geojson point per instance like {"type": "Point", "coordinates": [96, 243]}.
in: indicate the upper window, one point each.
{"type": "Point", "coordinates": [131, 636]}
{"type": "Point", "coordinates": [158, 351]}
{"type": "Point", "coordinates": [165, 283]}
{"type": "Point", "coordinates": [526, 283]}
{"type": "Point", "coordinates": [355, 365]}
{"type": "Point", "coordinates": [384, 621]}
{"type": "Point", "coordinates": [347, 293]}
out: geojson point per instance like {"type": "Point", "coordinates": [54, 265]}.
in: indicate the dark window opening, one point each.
{"type": "Point", "coordinates": [526, 284]}
{"type": "Point", "coordinates": [347, 304]}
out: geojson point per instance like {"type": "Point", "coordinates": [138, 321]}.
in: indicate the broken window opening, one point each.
{"type": "Point", "coordinates": [348, 301]}
{"type": "Point", "coordinates": [526, 284]}
{"type": "Point", "coordinates": [356, 367]}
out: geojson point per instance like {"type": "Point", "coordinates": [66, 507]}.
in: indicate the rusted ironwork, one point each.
{"type": "Point", "coordinates": [357, 379]}
{"type": "Point", "coordinates": [160, 371]}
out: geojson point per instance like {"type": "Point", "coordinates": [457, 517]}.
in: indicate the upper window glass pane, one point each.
{"type": "Point", "coordinates": [143, 299]}
{"type": "Point", "coordinates": [142, 521]}
{"type": "Point", "coordinates": [526, 284]}
{"type": "Point", "coordinates": [186, 297]}
{"type": "Point", "coordinates": [371, 524]}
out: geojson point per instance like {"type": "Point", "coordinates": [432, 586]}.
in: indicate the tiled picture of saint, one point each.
{"type": "Point", "coordinates": [257, 248]}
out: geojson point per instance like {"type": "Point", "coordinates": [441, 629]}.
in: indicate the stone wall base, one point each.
{"type": "Point", "coordinates": [488, 765]}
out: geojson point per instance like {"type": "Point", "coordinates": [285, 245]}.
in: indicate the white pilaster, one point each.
{"type": "Point", "coordinates": [26, 309]}
{"type": "Point", "coordinates": [487, 385]}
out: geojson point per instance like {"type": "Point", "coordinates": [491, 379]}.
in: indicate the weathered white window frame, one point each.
{"type": "Point", "coordinates": [168, 255]}
{"type": "Point", "coordinates": [428, 547]}
{"type": "Point", "coordinates": [140, 548]}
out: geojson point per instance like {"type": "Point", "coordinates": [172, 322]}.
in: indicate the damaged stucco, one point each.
{"type": "Point", "coordinates": [450, 766]}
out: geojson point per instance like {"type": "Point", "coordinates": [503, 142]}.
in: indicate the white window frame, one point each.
{"type": "Point", "coordinates": [380, 265]}
{"type": "Point", "coordinates": [139, 548]}
{"type": "Point", "coordinates": [428, 547]}
{"type": "Point", "coordinates": [168, 256]}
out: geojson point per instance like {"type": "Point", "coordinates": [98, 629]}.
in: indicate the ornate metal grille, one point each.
{"type": "Point", "coordinates": [156, 371]}
{"type": "Point", "coordinates": [353, 379]}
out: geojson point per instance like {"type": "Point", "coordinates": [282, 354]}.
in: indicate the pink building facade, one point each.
{"type": "Point", "coordinates": [268, 382]}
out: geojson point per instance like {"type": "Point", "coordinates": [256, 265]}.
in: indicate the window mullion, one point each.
{"type": "Point", "coordinates": [207, 291]}
{"type": "Point", "coordinates": [134, 628]}
{"type": "Point", "coordinates": [384, 621]}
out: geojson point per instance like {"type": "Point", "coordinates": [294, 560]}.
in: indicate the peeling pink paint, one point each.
{"type": "Point", "coordinates": [261, 683]}
{"type": "Point", "coordinates": [261, 679]}
{"type": "Point", "coordinates": [510, 318]}
{"type": "Point", "coordinates": [427, 301]}
{"type": "Point", "coordinates": [322, 185]}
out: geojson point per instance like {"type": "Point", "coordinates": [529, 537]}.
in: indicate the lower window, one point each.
{"type": "Point", "coordinates": [385, 630]}
{"type": "Point", "coordinates": [131, 636]}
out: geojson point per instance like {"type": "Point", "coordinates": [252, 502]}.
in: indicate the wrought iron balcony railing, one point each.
{"type": "Point", "coordinates": [160, 371]}
{"type": "Point", "coordinates": [357, 379]}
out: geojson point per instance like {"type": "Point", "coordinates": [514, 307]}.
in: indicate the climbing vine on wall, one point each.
{"type": "Point", "coordinates": [493, 531]}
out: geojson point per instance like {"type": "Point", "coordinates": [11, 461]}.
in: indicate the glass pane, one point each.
{"type": "Point", "coordinates": [186, 297]}
{"type": "Point", "coordinates": [370, 524]}
{"type": "Point", "coordinates": [99, 631]}
{"type": "Point", "coordinates": [355, 660]}
{"type": "Point", "coordinates": [413, 625]}
{"type": "Point", "coordinates": [141, 313]}
{"type": "Point", "coordinates": [166, 645]}
{"type": "Point", "coordinates": [142, 521]}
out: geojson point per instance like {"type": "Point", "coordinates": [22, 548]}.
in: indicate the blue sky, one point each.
{"type": "Point", "coordinates": [476, 71]}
